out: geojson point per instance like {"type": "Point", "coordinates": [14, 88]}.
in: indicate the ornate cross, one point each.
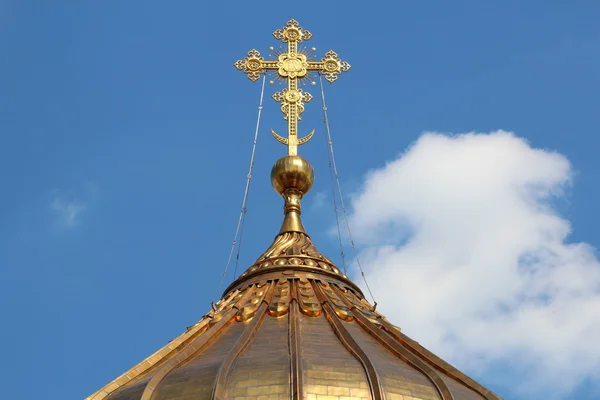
{"type": "Point", "coordinates": [294, 66]}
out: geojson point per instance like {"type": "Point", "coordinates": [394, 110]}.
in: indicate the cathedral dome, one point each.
{"type": "Point", "coordinates": [293, 326]}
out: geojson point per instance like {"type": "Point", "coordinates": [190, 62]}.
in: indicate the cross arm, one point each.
{"type": "Point", "coordinates": [254, 65]}
{"type": "Point", "coordinates": [331, 66]}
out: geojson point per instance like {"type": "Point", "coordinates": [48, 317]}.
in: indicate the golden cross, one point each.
{"type": "Point", "coordinates": [294, 66]}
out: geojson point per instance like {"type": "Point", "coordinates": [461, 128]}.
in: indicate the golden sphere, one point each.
{"type": "Point", "coordinates": [292, 172]}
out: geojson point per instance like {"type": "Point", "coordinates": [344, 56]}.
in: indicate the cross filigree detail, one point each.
{"type": "Point", "coordinates": [292, 65]}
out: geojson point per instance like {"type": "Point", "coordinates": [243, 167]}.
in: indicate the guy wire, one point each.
{"type": "Point", "coordinates": [332, 179]}
{"type": "Point", "coordinates": [239, 230]}
{"type": "Point", "coordinates": [331, 158]}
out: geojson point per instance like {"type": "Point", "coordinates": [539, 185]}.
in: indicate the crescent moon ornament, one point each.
{"type": "Point", "coordinates": [285, 141]}
{"type": "Point", "coordinates": [279, 138]}
{"type": "Point", "coordinates": [306, 138]}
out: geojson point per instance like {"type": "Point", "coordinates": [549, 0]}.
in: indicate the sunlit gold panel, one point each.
{"type": "Point", "coordinates": [330, 372]}
{"type": "Point", "coordinates": [195, 379]}
{"type": "Point", "coordinates": [459, 391]}
{"type": "Point", "coordinates": [263, 369]}
{"type": "Point", "coordinates": [398, 380]}
{"type": "Point", "coordinates": [130, 392]}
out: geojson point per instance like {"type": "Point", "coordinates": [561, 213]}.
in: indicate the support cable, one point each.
{"type": "Point", "coordinates": [239, 230]}
{"type": "Point", "coordinates": [333, 170]}
{"type": "Point", "coordinates": [332, 179]}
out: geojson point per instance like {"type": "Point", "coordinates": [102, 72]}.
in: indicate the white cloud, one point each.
{"type": "Point", "coordinates": [67, 211]}
{"type": "Point", "coordinates": [464, 250]}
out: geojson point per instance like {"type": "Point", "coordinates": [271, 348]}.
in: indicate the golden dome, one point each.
{"type": "Point", "coordinates": [293, 326]}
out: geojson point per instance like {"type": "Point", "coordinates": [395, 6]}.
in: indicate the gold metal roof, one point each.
{"type": "Point", "coordinates": [293, 326]}
{"type": "Point", "coordinates": [293, 334]}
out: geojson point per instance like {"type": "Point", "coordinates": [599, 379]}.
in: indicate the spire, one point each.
{"type": "Point", "coordinates": [292, 250]}
{"type": "Point", "coordinates": [292, 176]}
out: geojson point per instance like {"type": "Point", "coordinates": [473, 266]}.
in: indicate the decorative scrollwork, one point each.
{"type": "Point", "coordinates": [252, 65]}
{"type": "Point", "coordinates": [339, 306]}
{"type": "Point", "coordinates": [292, 65]}
{"type": "Point", "coordinates": [252, 302]}
{"type": "Point", "coordinates": [307, 299]}
{"type": "Point", "coordinates": [292, 32]}
{"type": "Point", "coordinates": [280, 304]}
{"type": "Point", "coordinates": [290, 97]}
{"type": "Point", "coordinates": [332, 66]}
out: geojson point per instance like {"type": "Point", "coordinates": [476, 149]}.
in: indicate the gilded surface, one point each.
{"type": "Point", "coordinates": [293, 66]}
{"type": "Point", "coordinates": [292, 172]}
{"type": "Point", "coordinates": [397, 349]}
{"type": "Point", "coordinates": [195, 379]}
{"type": "Point", "coordinates": [339, 306]}
{"type": "Point", "coordinates": [330, 372]}
{"type": "Point", "coordinates": [263, 369]}
{"type": "Point", "coordinates": [397, 377]}
{"type": "Point", "coordinates": [293, 249]}
{"type": "Point", "coordinates": [296, 370]}
{"type": "Point", "coordinates": [292, 177]}
{"type": "Point", "coordinates": [257, 293]}
{"type": "Point", "coordinates": [258, 353]}
{"type": "Point", "coordinates": [437, 362]}
{"type": "Point", "coordinates": [307, 299]}
{"type": "Point", "coordinates": [459, 391]}
{"type": "Point", "coordinates": [170, 350]}
{"type": "Point", "coordinates": [130, 392]}
{"type": "Point", "coordinates": [280, 305]}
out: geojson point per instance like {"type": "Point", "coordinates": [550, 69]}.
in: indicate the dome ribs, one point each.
{"type": "Point", "coordinates": [396, 348]}
{"type": "Point", "coordinates": [349, 343]}
{"type": "Point", "coordinates": [242, 343]}
{"type": "Point", "coordinates": [135, 374]}
{"type": "Point", "coordinates": [196, 345]}
{"type": "Point", "coordinates": [166, 352]}
{"type": "Point", "coordinates": [235, 342]}
{"type": "Point", "coordinates": [294, 343]}
{"type": "Point", "coordinates": [185, 354]}
{"type": "Point", "coordinates": [385, 329]}
{"type": "Point", "coordinates": [399, 351]}
{"type": "Point", "coordinates": [437, 362]}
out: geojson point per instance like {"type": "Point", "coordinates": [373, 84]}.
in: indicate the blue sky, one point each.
{"type": "Point", "coordinates": [126, 135]}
